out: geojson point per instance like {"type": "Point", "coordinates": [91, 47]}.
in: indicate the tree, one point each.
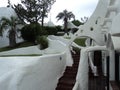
{"type": "Point", "coordinates": [30, 31]}
{"type": "Point", "coordinates": [11, 25]}
{"type": "Point", "coordinates": [65, 15]}
{"type": "Point", "coordinates": [77, 22]}
{"type": "Point", "coordinates": [33, 11]}
{"type": "Point", "coordinates": [46, 7]}
{"type": "Point", "coordinates": [8, 3]}
{"type": "Point", "coordinates": [84, 19]}
{"type": "Point", "coordinates": [28, 11]}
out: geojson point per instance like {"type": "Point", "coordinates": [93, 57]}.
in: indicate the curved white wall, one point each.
{"type": "Point", "coordinates": [34, 73]}
{"type": "Point", "coordinates": [31, 73]}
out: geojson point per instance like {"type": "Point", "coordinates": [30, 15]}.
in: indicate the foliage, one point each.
{"type": "Point", "coordinates": [24, 44]}
{"type": "Point", "coordinates": [43, 41]}
{"type": "Point", "coordinates": [28, 10]}
{"type": "Point", "coordinates": [77, 22]}
{"type": "Point", "coordinates": [84, 19]}
{"type": "Point", "coordinates": [65, 15]}
{"type": "Point", "coordinates": [50, 30]}
{"type": "Point", "coordinates": [30, 31]}
{"type": "Point", "coordinates": [33, 10]}
{"type": "Point", "coordinates": [46, 7]}
{"type": "Point", "coordinates": [59, 28]}
{"type": "Point", "coordinates": [10, 24]}
{"type": "Point", "coordinates": [43, 31]}
{"type": "Point", "coordinates": [60, 31]}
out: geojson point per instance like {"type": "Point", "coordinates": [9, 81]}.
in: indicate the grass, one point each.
{"type": "Point", "coordinates": [80, 41]}
{"type": "Point", "coordinates": [20, 55]}
{"type": "Point", "coordinates": [19, 45]}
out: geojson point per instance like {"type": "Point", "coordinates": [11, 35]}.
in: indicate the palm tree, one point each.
{"type": "Point", "coordinates": [10, 25]}
{"type": "Point", "coordinates": [65, 15]}
{"type": "Point", "coordinates": [84, 19]}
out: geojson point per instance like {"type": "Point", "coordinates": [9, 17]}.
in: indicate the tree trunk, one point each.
{"type": "Point", "coordinates": [42, 22]}
{"type": "Point", "coordinates": [43, 15]}
{"type": "Point", "coordinates": [12, 38]}
{"type": "Point", "coordinates": [65, 25]}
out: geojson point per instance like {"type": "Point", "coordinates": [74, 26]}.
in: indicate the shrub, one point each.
{"type": "Point", "coordinates": [43, 31]}
{"type": "Point", "coordinates": [30, 31]}
{"type": "Point", "coordinates": [51, 30]}
{"type": "Point", "coordinates": [59, 28]}
{"type": "Point", "coordinates": [43, 41]}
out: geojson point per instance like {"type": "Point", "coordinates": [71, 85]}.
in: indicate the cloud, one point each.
{"type": "Point", "coordinates": [80, 8]}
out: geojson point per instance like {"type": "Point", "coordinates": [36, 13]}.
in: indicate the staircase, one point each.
{"type": "Point", "coordinates": [67, 81]}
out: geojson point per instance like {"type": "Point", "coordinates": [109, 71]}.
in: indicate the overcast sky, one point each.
{"type": "Point", "coordinates": [80, 8]}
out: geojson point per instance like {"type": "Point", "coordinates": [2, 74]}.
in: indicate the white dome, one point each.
{"type": "Point", "coordinates": [70, 25]}
{"type": "Point", "coordinates": [7, 12]}
{"type": "Point", "coordinates": [49, 23]}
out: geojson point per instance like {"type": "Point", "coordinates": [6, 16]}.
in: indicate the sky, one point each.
{"type": "Point", "coordinates": [79, 8]}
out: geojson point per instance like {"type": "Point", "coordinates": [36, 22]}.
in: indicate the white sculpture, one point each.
{"type": "Point", "coordinates": [100, 28]}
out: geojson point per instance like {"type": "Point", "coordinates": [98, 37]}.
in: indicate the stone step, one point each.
{"type": "Point", "coordinates": [63, 87]}
{"type": "Point", "coordinates": [73, 76]}
{"type": "Point", "coordinates": [74, 69]}
{"type": "Point", "coordinates": [67, 81]}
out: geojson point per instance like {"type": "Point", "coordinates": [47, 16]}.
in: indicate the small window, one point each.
{"type": "Point", "coordinates": [105, 38]}
{"type": "Point", "coordinates": [96, 22]}
{"type": "Point", "coordinates": [76, 35]}
{"type": "Point", "coordinates": [81, 31]}
{"type": "Point", "coordinates": [91, 29]}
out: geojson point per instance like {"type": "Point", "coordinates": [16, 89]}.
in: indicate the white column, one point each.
{"type": "Point", "coordinates": [104, 62]}
{"type": "Point", "coordinates": [82, 76]}
{"type": "Point", "coordinates": [112, 64]}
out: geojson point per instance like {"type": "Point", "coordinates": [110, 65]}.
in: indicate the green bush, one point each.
{"type": "Point", "coordinates": [51, 30]}
{"type": "Point", "coordinates": [30, 31]}
{"type": "Point", "coordinates": [43, 41]}
{"type": "Point", "coordinates": [59, 28]}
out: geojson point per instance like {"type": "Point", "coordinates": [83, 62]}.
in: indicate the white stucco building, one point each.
{"type": "Point", "coordinates": [6, 12]}
{"type": "Point", "coordinates": [43, 72]}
